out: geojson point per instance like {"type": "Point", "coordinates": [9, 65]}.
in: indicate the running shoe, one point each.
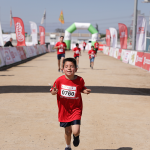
{"type": "Point", "coordinates": [91, 67]}
{"type": "Point", "coordinates": [58, 70]}
{"type": "Point", "coordinates": [67, 148]}
{"type": "Point", "coordinates": [76, 141]}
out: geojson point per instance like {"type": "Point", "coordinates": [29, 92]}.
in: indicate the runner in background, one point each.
{"type": "Point", "coordinates": [96, 45]}
{"type": "Point", "coordinates": [77, 52]}
{"type": "Point", "coordinates": [92, 53]}
{"type": "Point", "coordinates": [60, 46]}
{"type": "Point", "coordinates": [84, 45]}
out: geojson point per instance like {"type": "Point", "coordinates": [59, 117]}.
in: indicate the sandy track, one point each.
{"type": "Point", "coordinates": [116, 114]}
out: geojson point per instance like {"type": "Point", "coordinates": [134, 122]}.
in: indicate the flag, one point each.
{"type": "Point", "coordinates": [10, 18]}
{"type": "Point", "coordinates": [61, 18]}
{"type": "Point", "coordinates": [44, 17]}
{"type": "Point", "coordinates": [42, 35]}
{"type": "Point", "coordinates": [141, 34]}
{"type": "Point", "coordinates": [123, 32]}
{"type": "Point", "coordinates": [107, 37]}
{"type": "Point", "coordinates": [113, 33]}
{"type": "Point", "coordinates": [1, 37]}
{"type": "Point", "coordinates": [20, 33]}
{"type": "Point", "coordinates": [33, 32]}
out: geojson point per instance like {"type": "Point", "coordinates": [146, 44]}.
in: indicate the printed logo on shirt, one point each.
{"type": "Point", "coordinates": [68, 91]}
{"type": "Point", "coordinates": [77, 52]}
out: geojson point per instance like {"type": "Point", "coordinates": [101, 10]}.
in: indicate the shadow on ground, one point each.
{"type": "Point", "coordinates": [122, 148]}
{"type": "Point", "coordinates": [95, 89]}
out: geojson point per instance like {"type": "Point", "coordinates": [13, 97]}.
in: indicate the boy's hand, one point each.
{"type": "Point", "coordinates": [55, 90]}
{"type": "Point", "coordinates": [87, 91]}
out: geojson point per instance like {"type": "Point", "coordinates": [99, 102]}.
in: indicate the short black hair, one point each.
{"type": "Point", "coordinates": [92, 46]}
{"type": "Point", "coordinates": [61, 36]}
{"type": "Point", "coordinates": [71, 60]}
{"type": "Point", "coordinates": [77, 44]}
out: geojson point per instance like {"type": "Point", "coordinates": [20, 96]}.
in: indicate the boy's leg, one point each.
{"type": "Point", "coordinates": [62, 58]}
{"type": "Point", "coordinates": [68, 132]}
{"type": "Point", "coordinates": [58, 64]}
{"type": "Point", "coordinates": [76, 132]}
{"type": "Point", "coordinates": [77, 59]}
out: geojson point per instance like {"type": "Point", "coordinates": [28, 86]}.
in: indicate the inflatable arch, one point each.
{"type": "Point", "coordinates": [75, 26]}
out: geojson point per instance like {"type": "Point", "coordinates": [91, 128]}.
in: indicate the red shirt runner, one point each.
{"type": "Point", "coordinates": [91, 53]}
{"type": "Point", "coordinates": [62, 49]}
{"type": "Point", "coordinates": [76, 51]}
{"type": "Point", "coordinates": [69, 98]}
{"type": "Point", "coordinates": [96, 45]}
{"type": "Point", "coordinates": [84, 44]}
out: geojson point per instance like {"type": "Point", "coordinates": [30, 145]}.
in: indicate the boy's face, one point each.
{"type": "Point", "coordinates": [77, 46]}
{"type": "Point", "coordinates": [92, 48]}
{"type": "Point", "coordinates": [69, 68]}
{"type": "Point", "coordinates": [61, 39]}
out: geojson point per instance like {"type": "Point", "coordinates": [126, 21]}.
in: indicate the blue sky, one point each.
{"type": "Point", "coordinates": [106, 13]}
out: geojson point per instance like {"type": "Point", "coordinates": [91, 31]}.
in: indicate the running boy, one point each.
{"type": "Point", "coordinates": [60, 46]}
{"type": "Point", "coordinates": [68, 89]}
{"type": "Point", "coordinates": [84, 45]}
{"type": "Point", "coordinates": [92, 53]}
{"type": "Point", "coordinates": [96, 45]}
{"type": "Point", "coordinates": [77, 52]}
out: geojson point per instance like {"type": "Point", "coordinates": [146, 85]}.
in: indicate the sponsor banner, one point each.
{"type": "Point", "coordinates": [33, 27]}
{"type": "Point", "coordinates": [146, 61]}
{"type": "Point", "coordinates": [107, 37]}
{"type": "Point", "coordinates": [119, 54]}
{"type": "Point", "coordinates": [2, 62]}
{"type": "Point", "coordinates": [14, 54]}
{"type": "Point", "coordinates": [141, 34]}
{"type": "Point", "coordinates": [21, 52]}
{"type": "Point", "coordinates": [126, 56]}
{"type": "Point", "coordinates": [123, 32]}
{"type": "Point", "coordinates": [132, 58]}
{"type": "Point", "coordinates": [26, 51]}
{"type": "Point", "coordinates": [39, 49]}
{"type": "Point", "coordinates": [104, 51]}
{"type": "Point", "coordinates": [7, 56]}
{"type": "Point", "coordinates": [33, 50]}
{"type": "Point", "coordinates": [116, 51]}
{"type": "Point", "coordinates": [101, 46]}
{"type": "Point", "coordinates": [20, 32]}
{"type": "Point", "coordinates": [37, 52]}
{"type": "Point", "coordinates": [139, 59]}
{"type": "Point", "coordinates": [42, 35]}
{"type": "Point", "coordinates": [111, 52]}
{"type": "Point", "coordinates": [113, 33]}
{"type": "Point", "coordinates": [107, 50]}
{"type": "Point", "coordinates": [122, 55]}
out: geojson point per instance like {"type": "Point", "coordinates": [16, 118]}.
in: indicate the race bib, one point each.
{"type": "Point", "coordinates": [68, 91]}
{"type": "Point", "coordinates": [60, 50]}
{"type": "Point", "coordinates": [77, 52]}
{"type": "Point", "coordinates": [92, 55]}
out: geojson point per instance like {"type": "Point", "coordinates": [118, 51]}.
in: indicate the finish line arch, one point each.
{"type": "Point", "coordinates": [76, 26]}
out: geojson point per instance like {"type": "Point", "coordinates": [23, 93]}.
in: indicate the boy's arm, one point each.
{"type": "Point", "coordinates": [86, 91]}
{"type": "Point", "coordinates": [56, 46]}
{"type": "Point", "coordinates": [54, 90]}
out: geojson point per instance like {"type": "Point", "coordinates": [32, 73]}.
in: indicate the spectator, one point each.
{"type": "Point", "coordinates": [7, 44]}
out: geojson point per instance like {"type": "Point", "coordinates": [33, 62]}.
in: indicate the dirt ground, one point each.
{"type": "Point", "coordinates": [116, 115]}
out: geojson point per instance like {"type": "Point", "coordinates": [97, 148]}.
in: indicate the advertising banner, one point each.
{"type": "Point", "coordinates": [146, 61]}
{"type": "Point", "coordinates": [132, 58]}
{"type": "Point", "coordinates": [100, 48]}
{"type": "Point", "coordinates": [139, 59]}
{"type": "Point", "coordinates": [119, 54]}
{"type": "Point", "coordinates": [113, 33]}
{"type": "Point", "coordinates": [20, 32]}
{"type": "Point", "coordinates": [116, 51]}
{"type": "Point", "coordinates": [42, 35]}
{"type": "Point", "coordinates": [33, 27]}
{"type": "Point", "coordinates": [21, 52]}
{"type": "Point", "coordinates": [14, 54]}
{"type": "Point", "coordinates": [108, 37]}
{"type": "Point", "coordinates": [111, 53]}
{"type": "Point", "coordinates": [141, 34]}
{"type": "Point", "coordinates": [7, 56]}
{"type": "Point", "coordinates": [123, 32]}
{"type": "Point", "coordinates": [2, 62]}
{"type": "Point", "coordinates": [126, 56]}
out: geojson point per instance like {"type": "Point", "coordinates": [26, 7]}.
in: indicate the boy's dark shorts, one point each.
{"type": "Point", "coordinates": [76, 57]}
{"type": "Point", "coordinates": [67, 124]}
{"type": "Point", "coordinates": [60, 55]}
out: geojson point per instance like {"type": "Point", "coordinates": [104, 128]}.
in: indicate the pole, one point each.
{"type": "Point", "coordinates": [134, 25]}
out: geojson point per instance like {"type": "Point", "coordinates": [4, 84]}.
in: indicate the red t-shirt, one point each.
{"type": "Point", "coordinates": [62, 49]}
{"type": "Point", "coordinates": [96, 45]}
{"type": "Point", "coordinates": [69, 98]}
{"type": "Point", "coordinates": [76, 51]}
{"type": "Point", "coordinates": [91, 53]}
{"type": "Point", "coordinates": [84, 44]}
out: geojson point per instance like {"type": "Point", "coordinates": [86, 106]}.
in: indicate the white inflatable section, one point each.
{"type": "Point", "coordinates": [82, 25]}
{"type": "Point", "coordinates": [94, 37]}
{"type": "Point", "coordinates": [67, 35]}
